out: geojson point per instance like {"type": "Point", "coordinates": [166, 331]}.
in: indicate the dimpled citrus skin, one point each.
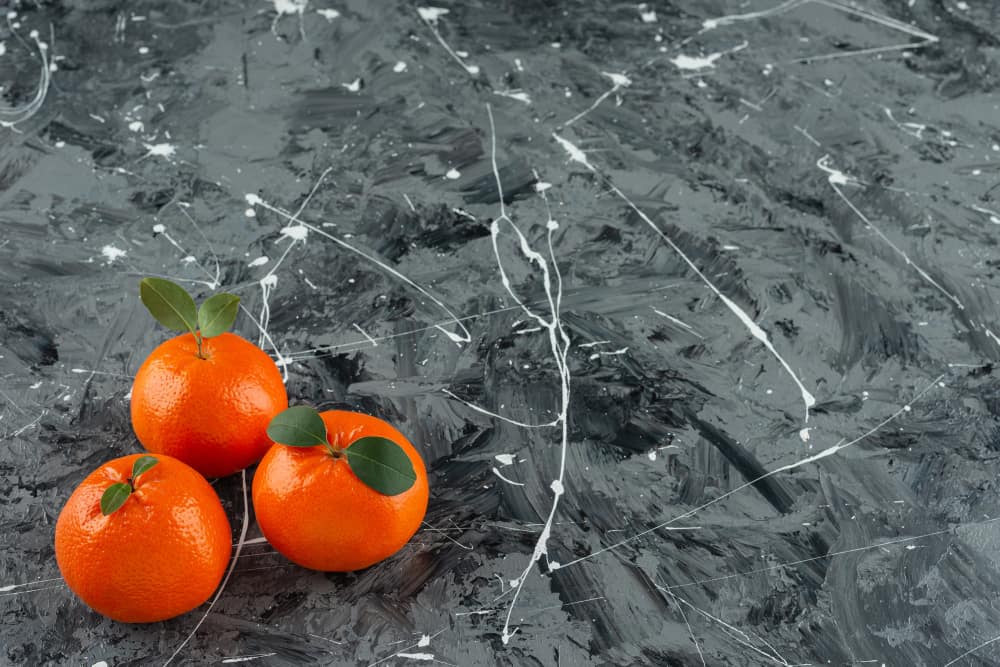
{"type": "Point", "coordinates": [161, 554]}
{"type": "Point", "coordinates": [210, 413]}
{"type": "Point", "coordinates": [314, 510]}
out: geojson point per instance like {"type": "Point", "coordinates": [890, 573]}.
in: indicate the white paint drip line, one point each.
{"type": "Point", "coordinates": [791, 466]}
{"type": "Point", "coordinates": [580, 157]}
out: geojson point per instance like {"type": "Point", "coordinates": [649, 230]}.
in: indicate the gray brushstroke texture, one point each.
{"type": "Point", "coordinates": [685, 415]}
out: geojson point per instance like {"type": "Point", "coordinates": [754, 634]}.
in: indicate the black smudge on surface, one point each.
{"type": "Point", "coordinates": [884, 552]}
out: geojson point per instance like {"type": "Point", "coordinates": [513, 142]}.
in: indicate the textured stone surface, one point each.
{"type": "Point", "coordinates": [749, 211]}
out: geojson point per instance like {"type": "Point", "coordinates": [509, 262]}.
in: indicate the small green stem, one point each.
{"type": "Point", "coordinates": [335, 452]}
{"type": "Point", "coordinates": [197, 337]}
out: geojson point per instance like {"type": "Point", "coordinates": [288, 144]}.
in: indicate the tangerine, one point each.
{"type": "Point", "coordinates": [210, 411]}
{"type": "Point", "coordinates": [312, 508]}
{"type": "Point", "coordinates": [159, 554]}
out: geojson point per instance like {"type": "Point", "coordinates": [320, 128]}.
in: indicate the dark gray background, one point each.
{"type": "Point", "coordinates": [872, 273]}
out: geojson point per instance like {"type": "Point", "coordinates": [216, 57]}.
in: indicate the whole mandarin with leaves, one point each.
{"type": "Point", "coordinates": [142, 539]}
{"type": "Point", "coordinates": [207, 395]}
{"type": "Point", "coordinates": [341, 491]}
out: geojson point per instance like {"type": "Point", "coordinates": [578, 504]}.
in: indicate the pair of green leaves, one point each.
{"type": "Point", "coordinates": [116, 494]}
{"type": "Point", "coordinates": [174, 308]}
{"type": "Point", "coordinates": [378, 462]}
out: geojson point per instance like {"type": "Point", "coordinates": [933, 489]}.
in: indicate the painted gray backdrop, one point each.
{"type": "Point", "coordinates": [741, 283]}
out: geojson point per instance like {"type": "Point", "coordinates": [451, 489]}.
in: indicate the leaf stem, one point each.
{"type": "Point", "coordinates": [197, 337]}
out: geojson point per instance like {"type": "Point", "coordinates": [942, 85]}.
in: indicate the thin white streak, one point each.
{"type": "Point", "coordinates": [365, 334]}
{"type": "Point", "coordinates": [11, 587]}
{"type": "Point", "coordinates": [465, 337]}
{"type": "Point", "coordinates": [247, 658]}
{"type": "Point", "coordinates": [620, 81]}
{"type": "Point", "coordinates": [473, 70]}
{"type": "Point", "coordinates": [12, 115]}
{"type": "Point", "coordinates": [677, 321]}
{"type": "Point", "coordinates": [791, 466]}
{"type": "Point", "coordinates": [579, 156]}
{"type": "Point", "coordinates": [509, 481]}
{"type": "Point", "coordinates": [229, 572]}
{"type": "Point", "coordinates": [488, 413]}
{"type": "Point", "coordinates": [446, 535]}
{"type": "Point", "coordinates": [559, 342]}
{"type": "Point", "coordinates": [834, 181]}
{"type": "Point", "coordinates": [972, 650]}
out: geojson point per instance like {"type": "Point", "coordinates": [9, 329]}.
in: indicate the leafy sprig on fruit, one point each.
{"type": "Point", "coordinates": [116, 494]}
{"type": "Point", "coordinates": [175, 309]}
{"type": "Point", "coordinates": [378, 462]}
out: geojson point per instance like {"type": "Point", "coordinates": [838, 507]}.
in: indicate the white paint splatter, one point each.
{"type": "Point", "coordinates": [3, 48]}
{"type": "Point", "coordinates": [578, 156]}
{"type": "Point", "coordinates": [400, 66]}
{"type": "Point", "coordinates": [260, 261]}
{"type": "Point", "coordinates": [135, 126]}
{"type": "Point", "coordinates": [247, 658]}
{"type": "Point", "coordinates": [159, 229]}
{"type": "Point", "coordinates": [804, 434]}
{"type": "Point", "coordinates": [509, 481]}
{"type": "Point", "coordinates": [353, 86]}
{"type": "Point", "coordinates": [100, 663]}
{"type": "Point", "coordinates": [505, 459]}
{"type": "Point", "coordinates": [163, 150]}
{"type": "Point", "coordinates": [328, 14]}
{"type": "Point", "coordinates": [515, 94]}
{"type": "Point", "coordinates": [431, 14]}
{"type": "Point", "coordinates": [425, 640]}
{"type": "Point", "coordinates": [646, 14]}
{"type": "Point", "coordinates": [684, 62]}
{"type": "Point", "coordinates": [111, 253]}
{"type": "Point", "coordinates": [143, 50]}
{"type": "Point", "coordinates": [427, 657]}
{"type": "Point", "coordinates": [453, 174]}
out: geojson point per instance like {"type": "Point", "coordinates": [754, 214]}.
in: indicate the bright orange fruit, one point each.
{"type": "Point", "coordinates": [161, 553]}
{"type": "Point", "coordinates": [212, 412]}
{"type": "Point", "coordinates": [313, 509]}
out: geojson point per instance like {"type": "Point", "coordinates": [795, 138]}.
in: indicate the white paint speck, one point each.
{"type": "Point", "coordinates": [506, 459]}
{"type": "Point", "coordinates": [804, 434]}
{"type": "Point", "coordinates": [453, 174]}
{"type": "Point", "coordinates": [3, 48]}
{"type": "Point", "coordinates": [135, 126]}
{"type": "Point", "coordinates": [159, 229]}
{"type": "Point", "coordinates": [328, 14]}
{"type": "Point", "coordinates": [111, 253]}
{"type": "Point", "coordinates": [425, 640]}
{"type": "Point", "coordinates": [295, 232]}
{"type": "Point", "coordinates": [353, 86]}
{"type": "Point", "coordinates": [399, 67]}
{"type": "Point", "coordinates": [557, 487]}
{"type": "Point", "coordinates": [646, 14]}
{"type": "Point", "coordinates": [252, 199]}
{"type": "Point", "coordinates": [100, 663]}
{"type": "Point", "coordinates": [161, 150]}
{"type": "Point", "coordinates": [143, 50]}
{"type": "Point", "coordinates": [682, 61]}
{"type": "Point", "coordinates": [290, 7]}
{"type": "Point", "coordinates": [260, 261]}
{"type": "Point", "coordinates": [964, 6]}
{"type": "Point", "coordinates": [250, 213]}
{"type": "Point", "coordinates": [427, 657]}
{"type": "Point", "coordinates": [652, 455]}
{"type": "Point", "coordinates": [431, 14]}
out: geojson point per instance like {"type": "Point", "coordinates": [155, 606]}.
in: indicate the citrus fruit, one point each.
{"type": "Point", "coordinates": [315, 501]}
{"type": "Point", "coordinates": [209, 404]}
{"type": "Point", "coordinates": [160, 551]}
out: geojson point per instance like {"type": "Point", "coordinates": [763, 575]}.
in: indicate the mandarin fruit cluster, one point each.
{"type": "Point", "coordinates": [145, 538]}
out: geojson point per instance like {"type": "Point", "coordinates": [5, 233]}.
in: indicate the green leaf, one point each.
{"type": "Point", "coordinates": [114, 497]}
{"type": "Point", "coordinates": [298, 426]}
{"type": "Point", "coordinates": [142, 464]}
{"type": "Point", "coordinates": [381, 464]}
{"type": "Point", "coordinates": [217, 314]}
{"type": "Point", "coordinates": [169, 303]}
